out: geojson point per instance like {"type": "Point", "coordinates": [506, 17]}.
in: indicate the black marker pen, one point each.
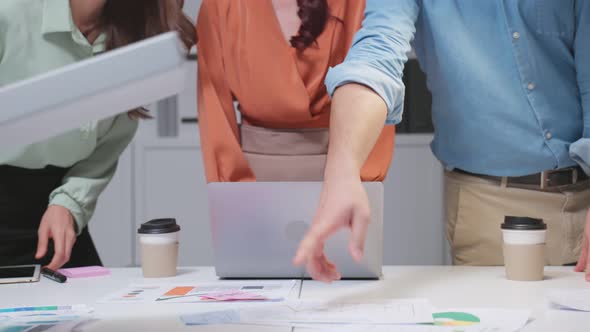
{"type": "Point", "coordinates": [53, 275]}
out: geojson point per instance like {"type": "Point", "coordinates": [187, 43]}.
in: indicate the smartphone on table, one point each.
{"type": "Point", "coordinates": [19, 274]}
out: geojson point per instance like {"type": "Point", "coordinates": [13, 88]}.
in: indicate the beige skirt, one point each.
{"type": "Point", "coordinates": [285, 154]}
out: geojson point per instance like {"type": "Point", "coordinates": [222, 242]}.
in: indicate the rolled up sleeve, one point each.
{"type": "Point", "coordinates": [379, 53]}
{"type": "Point", "coordinates": [580, 152]}
{"type": "Point", "coordinates": [87, 179]}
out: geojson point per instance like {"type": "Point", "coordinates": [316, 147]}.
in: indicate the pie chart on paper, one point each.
{"type": "Point", "coordinates": [455, 319]}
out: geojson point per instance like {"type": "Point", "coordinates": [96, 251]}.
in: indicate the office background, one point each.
{"type": "Point", "coordinates": [161, 175]}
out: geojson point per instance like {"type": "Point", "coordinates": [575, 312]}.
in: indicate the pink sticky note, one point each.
{"type": "Point", "coordinates": [85, 272]}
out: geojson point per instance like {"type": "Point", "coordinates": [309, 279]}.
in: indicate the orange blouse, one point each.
{"type": "Point", "coordinates": [243, 56]}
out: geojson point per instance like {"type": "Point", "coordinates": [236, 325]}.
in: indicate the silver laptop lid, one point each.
{"type": "Point", "coordinates": [257, 226]}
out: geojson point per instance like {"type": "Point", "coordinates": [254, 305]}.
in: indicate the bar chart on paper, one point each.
{"type": "Point", "coordinates": [270, 290]}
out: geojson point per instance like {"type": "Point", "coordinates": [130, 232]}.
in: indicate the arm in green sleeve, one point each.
{"type": "Point", "coordinates": [86, 180]}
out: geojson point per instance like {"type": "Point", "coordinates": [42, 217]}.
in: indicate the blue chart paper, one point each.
{"type": "Point", "coordinates": [43, 318]}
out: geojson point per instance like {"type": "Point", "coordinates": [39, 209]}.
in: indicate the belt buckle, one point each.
{"type": "Point", "coordinates": [545, 176]}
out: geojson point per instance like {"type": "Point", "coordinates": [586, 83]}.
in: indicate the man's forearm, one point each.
{"type": "Point", "coordinates": [357, 119]}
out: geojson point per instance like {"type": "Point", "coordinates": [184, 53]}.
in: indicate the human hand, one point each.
{"type": "Point", "coordinates": [584, 260]}
{"type": "Point", "coordinates": [343, 204]}
{"type": "Point", "coordinates": [57, 224]}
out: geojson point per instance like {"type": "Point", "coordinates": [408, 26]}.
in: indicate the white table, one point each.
{"type": "Point", "coordinates": [450, 287]}
{"type": "Point", "coordinates": [446, 287]}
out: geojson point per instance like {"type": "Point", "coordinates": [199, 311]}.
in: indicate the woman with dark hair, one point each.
{"type": "Point", "coordinates": [48, 190]}
{"type": "Point", "coordinates": [271, 57]}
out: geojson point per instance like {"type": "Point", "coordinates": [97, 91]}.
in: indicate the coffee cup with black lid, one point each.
{"type": "Point", "coordinates": [524, 248]}
{"type": "Point", "coordinates": [159, 243]}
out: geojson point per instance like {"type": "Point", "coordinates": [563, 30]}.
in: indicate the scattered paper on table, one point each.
{"type": "Point", "coordinates": [391, 316]}
{"type": "Point", "coordinates": [483, 319]}
{"type": "Point", "coordinates": [61, 326]}
{"type": "Point", "coordinates": [393, 328]}
{"type": "Point", "coordinates": [575, 299]}
{"type": "Point", "coordinates": [220, 317]}
{"type": "Point", "coordinates": [454, 320]}
{"type": "Point", "coordinates": [230, 290]}
{"type": "Point", "coordinates": [234, 296]}
{"type": "Point", "coordinates": [402, 328]}
{"type": "Point", "coordinates": [135, 294]}
{"type": "Point", "coordinates": [403, 311]}
{"type": "Point", "coordinates": [43, 318]}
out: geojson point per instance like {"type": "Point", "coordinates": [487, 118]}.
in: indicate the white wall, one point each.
{"type": "Point", "coordinates": [191, 8]}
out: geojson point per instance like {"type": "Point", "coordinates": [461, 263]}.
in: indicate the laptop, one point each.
{"type": "Point", "coordinates": [257, 226]}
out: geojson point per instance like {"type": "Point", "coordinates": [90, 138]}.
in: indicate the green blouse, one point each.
{"type": "Point", "coordinates": [37, 36]}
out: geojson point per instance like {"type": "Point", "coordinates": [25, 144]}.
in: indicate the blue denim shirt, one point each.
{"type": "Point", "coordinates": [510, 79]}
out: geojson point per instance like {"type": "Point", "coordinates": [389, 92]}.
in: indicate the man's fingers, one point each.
{"type": "Point", "coordinates": [326, 269]}
{"type": "Point", "coordinates": [359, 227]}
{"type": "Point", "coordinates": [331, 270]}
{"type": "Point", "coordinates": [306, 247]}
{"type": "Point", "coordinates": [314, 239]}
{"type": "Point", "coordinates": [320, 269]}
{"type": "Point", "coordinates": [313, 269]}
{"type": "Point", "coordinates": [43, 240]}
{"type": "Point", "coordinates": [583, 260]}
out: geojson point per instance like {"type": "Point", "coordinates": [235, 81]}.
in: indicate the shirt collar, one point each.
{"type": "Point", "coordinates": [57, 16]}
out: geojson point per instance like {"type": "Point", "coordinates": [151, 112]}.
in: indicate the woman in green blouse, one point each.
{"type": "Point", "coordinates": [48, 190]}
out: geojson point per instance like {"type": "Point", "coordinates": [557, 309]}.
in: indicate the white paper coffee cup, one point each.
{"type": "Point", "coordinates": [165, 238]}
{"type": "Point", "coordinates": [523, 237]}
{"type": "Point", "coordinates": [159, 244]}
{"type": "Point", "coordinates": [524, 248]}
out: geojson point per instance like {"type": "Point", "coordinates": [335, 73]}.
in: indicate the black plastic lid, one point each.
{"type": "Point", "coordinates": [523, 224]}
{"type": "Point", "coordinates": [159, 226]}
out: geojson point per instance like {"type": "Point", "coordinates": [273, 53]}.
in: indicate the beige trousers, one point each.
{"type": "Point", "coordinates": [475, 209]}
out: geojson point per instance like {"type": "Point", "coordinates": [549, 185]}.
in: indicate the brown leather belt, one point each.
{"type": "Point", "coordinates": [544, 180]}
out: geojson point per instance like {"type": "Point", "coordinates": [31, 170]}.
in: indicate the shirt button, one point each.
{"type": "Point", "coordinates": [531, 86]}
{"type": "Point", "coordinates": [548, 135]}
{"type": "Point", "coordinates": [516, 35]}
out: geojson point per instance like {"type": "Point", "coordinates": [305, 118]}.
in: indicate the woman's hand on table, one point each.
{"type": "Point", "coordinates": [57, 224]}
